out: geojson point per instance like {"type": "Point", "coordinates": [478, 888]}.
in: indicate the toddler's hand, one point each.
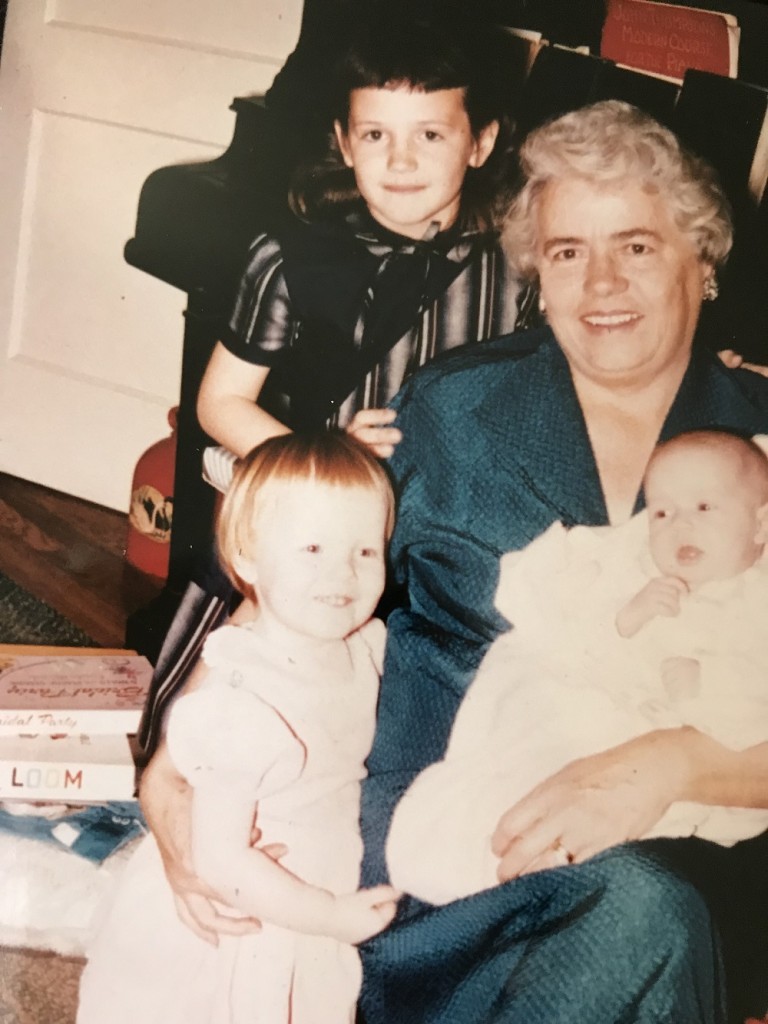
{"type": "Point", "coordinates": [659, 597]}
{"type": "Point", "coordinates": [371, 426]}
{"type": "Point", "coordinates": [358, 916]}
{"type": "Point", "coordinates": [681, 677]}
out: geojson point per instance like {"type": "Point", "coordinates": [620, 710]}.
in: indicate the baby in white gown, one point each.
{"type": "Point", "coordinates": [278, 727]}
{"type": "Point", "coordinates": [655, 624]}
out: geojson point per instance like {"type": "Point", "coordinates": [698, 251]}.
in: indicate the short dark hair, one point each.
{"type": "Point", "coordinates": [422, 46]}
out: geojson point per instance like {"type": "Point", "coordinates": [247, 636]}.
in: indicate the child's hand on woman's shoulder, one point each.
{"type": "Point", "coordinates": [372, 428]}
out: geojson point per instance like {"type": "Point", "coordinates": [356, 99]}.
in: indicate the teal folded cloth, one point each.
{"type": "Point", "coordinates": [92, 831]}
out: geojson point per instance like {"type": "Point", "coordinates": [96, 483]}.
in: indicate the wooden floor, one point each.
{"type": "Point", "coordinates": [69, 553]}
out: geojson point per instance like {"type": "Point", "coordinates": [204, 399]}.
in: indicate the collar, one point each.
{"type": "Point", "coordinates": [537, 428]}
{"type": "Point", "coordinates": [455, 243]}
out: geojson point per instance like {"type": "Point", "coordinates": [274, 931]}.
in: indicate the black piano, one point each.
{"type": "Point", "coordinates": [193, 228]}
{"type": "Point", "coordinates": [194, 224]}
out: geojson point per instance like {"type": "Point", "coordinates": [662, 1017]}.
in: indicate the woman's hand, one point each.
{"type": "Point", "coordinates": [733, 361]}
{"type": "Point", "coordinates": [166, 802]}
{"type": "Point", "coordinates": [592, 804]}
{"type": "Point", "coordinates": [371, 426]}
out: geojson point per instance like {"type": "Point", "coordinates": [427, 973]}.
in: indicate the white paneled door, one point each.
{"type": "Point", "coordinates": [94, 95]}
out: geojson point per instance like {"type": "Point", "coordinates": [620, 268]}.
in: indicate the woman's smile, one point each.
{"type": "Point", "coordinates": [621, 283]}
{"type": "Point", "coordinates": [611, 321]}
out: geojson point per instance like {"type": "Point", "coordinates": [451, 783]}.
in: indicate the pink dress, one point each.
{"type": "Point", "coordinates": [294, 738]}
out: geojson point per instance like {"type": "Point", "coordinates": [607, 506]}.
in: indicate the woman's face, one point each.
{"type": "Point", "coordinates": [622, 285]}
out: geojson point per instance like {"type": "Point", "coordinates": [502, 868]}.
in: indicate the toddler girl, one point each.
{"type": "Point", "coordinates": [279, 724]}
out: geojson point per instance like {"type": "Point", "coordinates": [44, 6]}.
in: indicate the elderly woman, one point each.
{"type": "Point", "coordinates": [624, 231]}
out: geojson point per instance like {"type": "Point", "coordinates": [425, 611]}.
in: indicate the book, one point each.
{"type": "Point", "coordinates": [563, 79]}
{"type": "Point", "coordinates": [560, 80]}
{"type": "Point", "coordinates": [655, 96]}
{"type": "Point", "coordinates": [726, 122]}
{"type": "Point", "coordinates": [70, 768]}
{"type": "Point", "coordinates": [527, 44]}
{"type": "Point", "coordinates": [666, 39]}
{"type": "Point", "coordinates": [73, 692]}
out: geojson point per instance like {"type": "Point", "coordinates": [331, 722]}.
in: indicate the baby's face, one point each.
{"type": "Point", "coordinates": [703, 516]}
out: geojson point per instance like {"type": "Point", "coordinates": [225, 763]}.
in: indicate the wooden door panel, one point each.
{"type": "Point", "coordinates": [93, 97]}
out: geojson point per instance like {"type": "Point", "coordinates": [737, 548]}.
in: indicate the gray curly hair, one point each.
{"type": "Point", "coordinates": [610, 141]}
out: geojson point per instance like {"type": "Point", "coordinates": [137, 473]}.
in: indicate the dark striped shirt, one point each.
{"type": "Point", "coordinates": [480, 303]}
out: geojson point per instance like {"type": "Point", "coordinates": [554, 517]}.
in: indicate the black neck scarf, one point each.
{"type": "Point", "coordinates": [356, 288]}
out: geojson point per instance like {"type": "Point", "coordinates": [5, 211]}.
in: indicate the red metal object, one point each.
{"type": "Point", "coordinates": [150, 517]}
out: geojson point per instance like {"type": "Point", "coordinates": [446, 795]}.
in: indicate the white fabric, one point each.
{"type": "Point", "coordinates": [50, 897]}
{"type": "Point", "coordinates": [563, 684]}
{"type": "Point", "coordinates": [218, 466]}
{"type": "Point", "coordinates": [296, 738]}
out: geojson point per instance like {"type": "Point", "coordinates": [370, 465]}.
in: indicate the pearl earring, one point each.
{"type": "Point", "coordinates": [711, 290]}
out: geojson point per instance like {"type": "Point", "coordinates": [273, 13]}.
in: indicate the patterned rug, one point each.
{"type": "Point", "coordinates": [25, 620]}
{"type": "Point", "coordinates": [38, 988]}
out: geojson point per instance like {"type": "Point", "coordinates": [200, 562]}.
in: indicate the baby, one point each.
{"type": "Point", "coordinates": [653, 624]}
{"type": "Point", "coordinates": [706, 496]}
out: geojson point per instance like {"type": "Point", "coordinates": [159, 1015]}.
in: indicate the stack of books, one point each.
{"type": "Point", "coordinates": [66, 715]}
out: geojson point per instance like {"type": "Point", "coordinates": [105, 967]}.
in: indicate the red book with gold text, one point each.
{"type": "Point", "coordinates": [667, 39]}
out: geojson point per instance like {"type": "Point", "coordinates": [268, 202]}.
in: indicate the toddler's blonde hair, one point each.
{"type": "Point", "coordinates": [327, 457]}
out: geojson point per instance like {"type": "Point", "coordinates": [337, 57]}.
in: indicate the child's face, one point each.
{"type": "Point", "coordinates": [705, 519]}
{"type": "Point", "coordinates": [410, 151]}
{"type": "Point", "coordinates": [317, 568]}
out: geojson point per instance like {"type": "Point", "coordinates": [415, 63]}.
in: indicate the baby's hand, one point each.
{"type": "Point", "coordinates": [681, 677]}
{"type": "Point", "coordinates": [358, 916]}
{"type": "Point", "coordinates": [659, 597]}
{"type": "Point", "coordinates": [372, 427]}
